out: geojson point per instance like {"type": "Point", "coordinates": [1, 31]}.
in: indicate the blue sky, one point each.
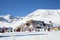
{"type": "Point", "coordinates": [24, 7]}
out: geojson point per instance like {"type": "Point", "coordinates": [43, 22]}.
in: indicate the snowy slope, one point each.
{"type": "Point", "coordinates": [45, 15]}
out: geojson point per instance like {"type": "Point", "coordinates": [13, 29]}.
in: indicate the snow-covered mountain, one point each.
{"type": "Point", "coordinates": [45, 15]}
{"type": "Point", "coordinates": [9, 20]}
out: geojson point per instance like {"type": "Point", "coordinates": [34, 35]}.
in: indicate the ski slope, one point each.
{"type": "Point", "coordinates": [30, 36]}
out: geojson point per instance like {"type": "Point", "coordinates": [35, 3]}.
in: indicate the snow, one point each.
{"type": "Point", "coordinates": [10, 22]}
{"type": "Point", "coordinates": [45, 15]}
{"type": "Point", "coordinates": [31, 36]}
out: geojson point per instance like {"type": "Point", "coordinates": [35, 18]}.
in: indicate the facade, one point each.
{"type": "Point", "coordinates": [38, 25]}
{"type": "Point", "coordinates": [5, 29]}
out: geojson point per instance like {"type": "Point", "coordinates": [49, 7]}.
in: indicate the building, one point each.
{"type": "Point", "coordinates": [35, 25]}
{"type": "Point", "coordinates": [5, 29]}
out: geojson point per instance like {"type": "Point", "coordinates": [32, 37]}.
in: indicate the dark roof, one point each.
{"type": "Point", "coordinates": [34, 21]}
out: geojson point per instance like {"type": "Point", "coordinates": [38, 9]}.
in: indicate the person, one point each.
{"type": "Point", "coordinates": [45, 27]}
{"type": "Point", "coordinates": [50, 26]}
{"type": "Point", "coordinates": [18, 29]}
{"type": "Point", "coordinates": [3, 30]}
{"type": "Point", "coordinates": [48, 29]}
